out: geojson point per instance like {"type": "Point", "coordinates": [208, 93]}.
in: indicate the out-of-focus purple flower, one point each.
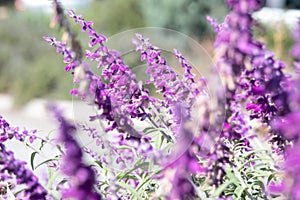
{"type": "Point", "coordinates": [234, 46]}
{"type": "Point", "coordinates": [186, 164]}
{"type": "Point", "coordinates": [291, 182]}
{"type": "Point", "coordinates": [262, 84]}
{"type": "Point", "coordinates": [11, 166]}
{"type": "Point", "coordinates": [82, 177]}
{"type": "Point", "coordinates": [288, 126]}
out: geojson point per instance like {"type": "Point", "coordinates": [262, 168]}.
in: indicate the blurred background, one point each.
{"type": "Point", "coordinates": [29, 68]}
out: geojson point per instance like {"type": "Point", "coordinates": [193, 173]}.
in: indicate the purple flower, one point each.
{"type": "Point", "coordinates": [8, 132]}
{"type": "Point", "coordinates": [11, 166]}
{"type": "Point", "coordinates": [174, 90]}
{"type": "Point", "coordinates": [82, 177]}
{"type": "Point", "coordinates": [69, 55]}
{"type": "Point", "coordinates": [122, 98]}
{"type": "Point", "coordinates": [188, 76]}
{"type": "Point", "coordinates": [214, 23]}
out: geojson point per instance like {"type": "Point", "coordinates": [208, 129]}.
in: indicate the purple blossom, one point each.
{"type": "Point", "coordinates": [8, 132]}
{"type": "Point", "coordinates": [122, 98]}
{"type": "Point", "coordinates": [174, 90]}
{"type": "Point", "coordinates": [61, 47]}
{"type": "Point", "coordinates": [260, 85]}
{"type": "Point", "coordinates": [213, 23]}
{"type": "Point", "coordinates": [235, 45]}
{"type": "Point", "coordinates": [188, 76]}
{"type": "Point", "coordinates": [82, 177]}
{"type": "Point", "coordinates": [11, 166]}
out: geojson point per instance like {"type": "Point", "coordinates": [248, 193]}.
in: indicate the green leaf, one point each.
{"type": "Point", "coordinates": [149, 130]}
{"type": "Point", "coordinates": [130, 189]}
{"type": "Point", "coordinates": [231, 175]}
{"type": "Point", "coordinates": [51, 159]}
{"type": "Point", "coordinates": [238, 192]}
{"type": "Point", "coordinates": [254, 152]}
{"type": "Point", "coordinates": [51, 177]}
{"type": "Point", "coordinates": [43, 142]}
{"type": "Point", "coordinates": [251, 160]}
{"type": "Point", "coordinates": [99, 163]}
{"type": "Point", "coordinates": [270, 177]}
{"type": "Point", "coordinates": [21, 190]}
{"type": "Point", "coordinates": [143, 183]}
{"type": "Point", "coordinates": [221, 188]}
{"type": "Point", "coordinates": [32, 159]}
{"type": "Point", "coordinates": [136, 167]}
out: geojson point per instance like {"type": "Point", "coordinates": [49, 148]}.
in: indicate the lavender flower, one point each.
{"type": "Point", "coordinates": [261, 85]}
{"type": "Point", "coordinates": [174, 90]}
{"type": "Point", "coordinates": [11, 166]}
{"type": "Point", "coordinates": [8, 132]}
{"type": "Point", "coordinates": [122, 96]}
{"type": "Point", "coordinates": [61, 48]}
{"type": "Point", "coordinates": [188, 76]}
{"type": "Point", "coordinates": [82, 177]}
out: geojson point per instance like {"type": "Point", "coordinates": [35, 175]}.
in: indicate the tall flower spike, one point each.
{"type": "Point", "coordinates": [234, 44]}
{"type": "Point", "coordinates": [167, 82]}
{"type": "Point", "coordinates": [61, 47]}
{"type": "Point", "coordinates": [82, 176]}
{"type": "Point", "coordinates": [188, 76]}
{"type": "Point", "coordinates": [122, 97]}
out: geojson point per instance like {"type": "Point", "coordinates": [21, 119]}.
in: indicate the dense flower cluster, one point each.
{"type": "Point", "coordinates": [123, 95]}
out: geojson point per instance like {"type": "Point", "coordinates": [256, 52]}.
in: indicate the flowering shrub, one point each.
{"type": "Point", "coordinates": [192, 147]}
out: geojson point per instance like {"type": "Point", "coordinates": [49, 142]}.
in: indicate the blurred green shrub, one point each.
{"type": "Point", "coordinates": [187, 16]}
{"type": "Point", "coordinates": [28, 67]}
{"type": "Point", "coordinates": [277, 38]}
{"type": "Point", "coordinates": [112, 16]}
